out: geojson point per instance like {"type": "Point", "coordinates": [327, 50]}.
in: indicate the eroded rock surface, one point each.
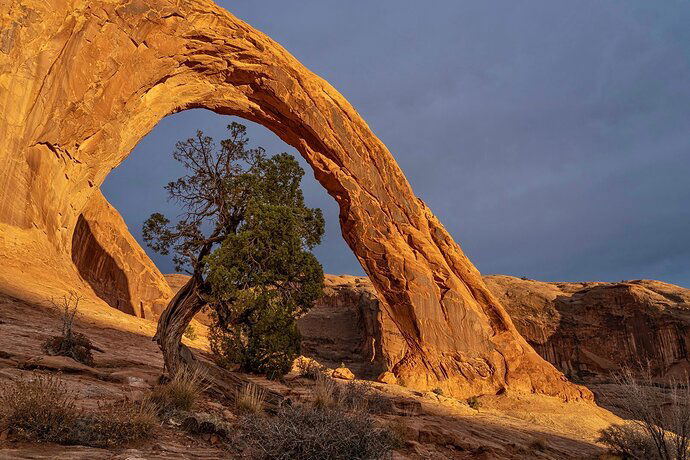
{"type": "Point", "coordinates": [586, 330]}
{"type": "Point", "coordinates": [589, 329]}
{"type": "Point", "coordinates": [109, 258]}
{"type": "Point", "coordinates": [82, 82]}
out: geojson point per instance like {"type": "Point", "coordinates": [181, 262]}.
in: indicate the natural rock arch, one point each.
{"type": "Point", "coordinates": [82, 82]}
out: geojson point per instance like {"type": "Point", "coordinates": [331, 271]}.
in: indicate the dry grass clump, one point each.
{"type": "Point", "coordinates": [69, 343]}
{"type": "Point", "coordinates": [250, 399]}
{"type": "Point", "coordinates": [306, 433]}
{"type": "Point", "coordinates": [180, 393]}
{"type": "Point", "coordinates": [325, 392]}
{"type": "Point", "coordinates": [43, 410]}
{"type": "Point", "coordinates": [353, 396]}
{"type": "Point", "coordinates": [660, 418]}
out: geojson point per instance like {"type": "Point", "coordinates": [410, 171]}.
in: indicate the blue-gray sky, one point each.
{"type": "Point", "coordinates": [552, 138]}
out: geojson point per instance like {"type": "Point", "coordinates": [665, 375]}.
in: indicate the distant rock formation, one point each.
{"type": "Point", "coordinates": [589, 329]}
{"type": "Point", "coordinates": [83, 82]}
{"type": "Point", "coordinates": [586, 330]}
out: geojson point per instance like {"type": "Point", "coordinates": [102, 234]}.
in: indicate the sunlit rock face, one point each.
{"type": "Point", "coordinates": [82, 82]}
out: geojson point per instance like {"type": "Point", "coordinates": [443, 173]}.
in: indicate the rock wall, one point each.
{"type": "Point", "coordinates": [589, 329]}
{"type": "Point", "coordinates": [108, 257]}
{"type": "Point", "coordinates": [586, 330]}
{"type": "Point", "coordinates": [82, 82]}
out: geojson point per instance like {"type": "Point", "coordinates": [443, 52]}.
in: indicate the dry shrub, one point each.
{"type": "Point", "coordinates": [363, 397]}
{"type": "Point", "coordinates": [250, 399]}
{"type": "Point", "coordinates": [353, 396]}
{"type": "Point", "coordinates": [71, 344]}
{"type": "Point", "coordinates": [43, 410]}
{"type": "Point", "coordinates": [190, 332]}
{"type": "Point", "coordinates": [628, 441]}
{"type": "Point", "coordinates": [539, 444]}
{"type": "Point", "coordinates": [40, 409]}
{"type": "Point", "coordinates": [306, 433]}
{"type": "Point", "coordinates": [474, 402]}
{"type": "Point", "coordinates": [660, 425]}
{"type": "Point", "coordinates": [309, 368]}
{"type": "Point", "coordinates": [114, 424]}
{"type": "Point", "coordinates": [180, 393]}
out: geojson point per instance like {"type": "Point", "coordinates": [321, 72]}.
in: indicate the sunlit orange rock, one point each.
{"type": "Point", "coordinates": [82, 82]}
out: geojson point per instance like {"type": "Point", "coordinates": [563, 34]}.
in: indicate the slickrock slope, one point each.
{"type": "Point", "coordinates": [585, 329]}
{"type": "Point", "coordinates": [82, 82]}
{"type": "Point", "coordinates": [507, 426]}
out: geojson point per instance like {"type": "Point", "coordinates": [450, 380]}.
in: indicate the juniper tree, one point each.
{"type": "Point", "coordinates": [245, 237]}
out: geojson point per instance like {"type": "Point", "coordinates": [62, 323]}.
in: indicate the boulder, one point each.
{"type": "Point", "coordinates": [343, 373]}
{"type": "Point", "coordinates": [388, 378]}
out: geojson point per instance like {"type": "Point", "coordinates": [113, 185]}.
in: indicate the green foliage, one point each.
{"type": "Point", "coordinates": [190, 332]}
{"type": "Point", "coordinates": [247, 235]}
{"type": "Point", "coordinates": [474, 403]}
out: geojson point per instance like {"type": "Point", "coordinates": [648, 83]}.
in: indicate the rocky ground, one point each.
{"type": "Point", "coordinates": [511, 425]}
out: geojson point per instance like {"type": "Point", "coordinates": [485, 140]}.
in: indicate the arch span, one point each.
{"type": "Point", "coordinates": [83, 82]}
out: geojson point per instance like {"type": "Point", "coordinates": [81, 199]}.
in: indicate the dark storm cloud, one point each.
{"type": "Point", "coordinates": [551, 138]}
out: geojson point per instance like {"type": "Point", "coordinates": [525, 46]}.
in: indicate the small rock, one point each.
{"type": "Point", "coordinates": [343, 373]}
{"type": "Point", "coordinates": [388, 378]}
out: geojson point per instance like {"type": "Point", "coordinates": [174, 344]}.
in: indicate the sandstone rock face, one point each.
{"type": "Point", "coordinates": [109, 258]}
{"type": "Point", "coordinates": [590, 329]}
{"type": "Point", "coordinates": [586, 330]}
{"type": "Point", "coordinates": [345, 326]}
{"type": "Point", "coordinates": [82, 82]}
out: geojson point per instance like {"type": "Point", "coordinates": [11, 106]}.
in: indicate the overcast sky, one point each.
{"type": "Point", "coordinates": [552, 138]}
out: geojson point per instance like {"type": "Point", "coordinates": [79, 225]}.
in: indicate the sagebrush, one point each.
{"type": "Point", "coordinates": [309, 433]}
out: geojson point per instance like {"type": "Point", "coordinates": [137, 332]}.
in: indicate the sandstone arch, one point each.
{"type": "Point", "coordinates": [82, 82]}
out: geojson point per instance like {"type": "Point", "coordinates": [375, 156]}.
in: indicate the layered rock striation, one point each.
{"type": "Point", "coordinates": [589, 329]}
{"type": "Point", "coordinates": [82, 82]}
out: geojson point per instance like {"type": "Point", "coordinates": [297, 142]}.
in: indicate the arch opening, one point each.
{"type": "Point", "coordinates": [159, 58]}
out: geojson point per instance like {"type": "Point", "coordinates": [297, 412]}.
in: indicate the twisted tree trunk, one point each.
{"type": "Point", "coordinates": [174, 321]}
